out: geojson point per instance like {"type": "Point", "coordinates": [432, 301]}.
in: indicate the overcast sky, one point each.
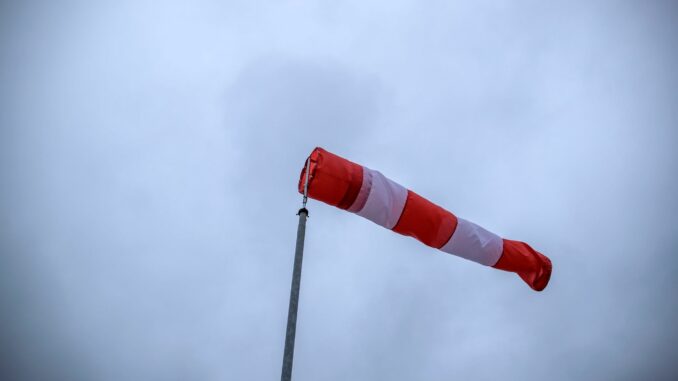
{"type": "Point", "coordinates": [150, 153]}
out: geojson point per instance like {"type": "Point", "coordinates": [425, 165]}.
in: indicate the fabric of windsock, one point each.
{"type": "Point", "coordinates": [367, 193]}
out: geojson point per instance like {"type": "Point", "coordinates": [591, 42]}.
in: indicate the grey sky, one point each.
{"type": "Point", "coordinates": [150, 152]}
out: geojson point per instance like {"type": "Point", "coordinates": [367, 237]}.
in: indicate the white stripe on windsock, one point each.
{"type": "Point", "coordinates": [385, 201]}
{"type": "Point", "coordinates": [474, 243]}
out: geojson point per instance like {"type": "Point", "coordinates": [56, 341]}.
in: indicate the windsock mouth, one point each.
{"type": "Point", "coordinates": [312, 162]}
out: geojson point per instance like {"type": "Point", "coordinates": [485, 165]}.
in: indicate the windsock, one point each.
{"type": "Point", "coordinates": [367, 193]}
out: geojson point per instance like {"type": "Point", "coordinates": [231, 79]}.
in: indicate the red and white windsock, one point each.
{"type": "Point", "coordinates": [367, 193]}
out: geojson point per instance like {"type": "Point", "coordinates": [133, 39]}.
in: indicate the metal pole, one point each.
{"type": "Point", "coordinates": [288, 356]}
{"type": "Point", "coordinates": [294, 299]}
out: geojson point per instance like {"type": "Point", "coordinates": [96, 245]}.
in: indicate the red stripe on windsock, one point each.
{"type": "Point", "coordinates": [532, 266]}
{"type": "Point", "coordinates": [332, 179]}
{"type": "Point", "coordinates": [426, 221]}
{"type": "Point", "coordinates": [355, 181]}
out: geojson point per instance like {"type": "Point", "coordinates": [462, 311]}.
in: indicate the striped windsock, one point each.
{"type": "Point", "coordinates": [367, 193]}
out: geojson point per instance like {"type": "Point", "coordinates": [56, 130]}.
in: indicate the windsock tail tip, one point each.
{"type": "Point", "coordinates": [533, 267]}
{"type": "Point", "coordinates": [542, 280]}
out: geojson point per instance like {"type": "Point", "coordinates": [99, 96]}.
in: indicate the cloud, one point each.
{"type": "Point", "coordinates": [150, 155]}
